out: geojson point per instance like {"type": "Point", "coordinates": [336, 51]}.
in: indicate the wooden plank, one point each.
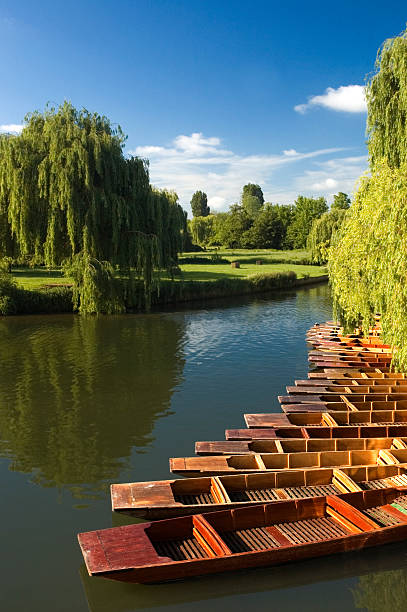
{"type": "Point", "coordinates": [278, 536]}
{"type": "Point", "coordinates": [209, 536]}
{"type": "Point", "coordinates": [344, 483]}
{"type": "Point", "coordinates": [221, 493]}
{"type": "Point", "coordinates": [350, 513]}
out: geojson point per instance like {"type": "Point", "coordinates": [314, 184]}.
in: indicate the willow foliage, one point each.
{"type": "Point", "coordinates": [68, 194]}
{"type": "Point", "coordinates": [386, 95]}
{"type": "Point", "coordinates": [368, 262]}
{"type": "Point", "coordinates": [322, 231]}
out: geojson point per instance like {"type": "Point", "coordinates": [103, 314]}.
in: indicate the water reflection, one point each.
{"type": "Point", "coordinates": [384, 591]}
{"type": "Point", "coordinates": [77, 394]}
{"type": "Point", "coordinates": [375, 592]}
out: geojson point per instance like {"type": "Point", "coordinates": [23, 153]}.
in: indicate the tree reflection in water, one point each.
{"type": "Point", "coordinates": [384, 591]}
{"type": "Point", "coordinates": [78, 393]}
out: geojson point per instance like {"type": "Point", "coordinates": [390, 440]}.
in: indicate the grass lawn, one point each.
{"type": "Point", "coordinates": [202, 272]}
{"type": "Point", "coordinates": [34, 278]}
{"type": "Point", "coordinates": [38, 277]}
{"type": "Point", "coordinates": [266, 255]}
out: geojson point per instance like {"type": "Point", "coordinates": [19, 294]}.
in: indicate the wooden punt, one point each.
{"type": "Point", "coordinates": [352, 361]}
{"type": "Point", "coordinates": [186, 496]}
{"type": "Point", "coordinates": [347, 431]}
{"type": "Point", "coordinates": [348, 418]}
{"type": "Point", "coordinates": [314, 398]}
{"type": "Point", "coordinates": [338, 348]}
{"type": "Point", "coordinates": [300, 445]}
{"type": "Point", "coordinates": [360, 365]}
{"type": "Point", "coordinates": [346, 404]}
{"type": "Point", "coordinates": [353, 382]}
{"type": "Point", "coordinates": [334, 407]}
{"type": "Point", "coordinates": [251, 536]}
{"type": "Point", "coordinates": [347, 389]}
{"type": "Point", "coordinates": [366, 376]}
{"type": "Point", "coordinates": [217, 465]}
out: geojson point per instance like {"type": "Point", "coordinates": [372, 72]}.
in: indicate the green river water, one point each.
{"type": "Point", "coordinates": [89, 401]}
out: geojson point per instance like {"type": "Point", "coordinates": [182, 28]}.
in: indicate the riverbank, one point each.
{"type": "Point", "coordinates": [198, 277]}
{"type": "Point", "coordinates": [58, 299]}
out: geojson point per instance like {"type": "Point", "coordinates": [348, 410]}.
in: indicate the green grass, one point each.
{"type": "Point", "coordinates": [266, 255]}
{"type": "Point", "coordinates": [202, 272]}
{"type": "Point", "coordinates": [37, 278]}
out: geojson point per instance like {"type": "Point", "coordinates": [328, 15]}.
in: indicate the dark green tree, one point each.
{"type": "Point", "coordinates": [199, 204]}
{"type": "Point", "coordinates": [305, 211]}
{"type": "Point", "coordinates": [231, 226]}
{"type": "Point", "coordinates": [341, 201]}
{"type": "Point", "coordinates": [254, 190]}
{"type": "Point", "coordinates": [268, 229]}
{"type": "Point", "coordinates": [69, 195]}
{"type": "Point", "coordinates": [252, 199]}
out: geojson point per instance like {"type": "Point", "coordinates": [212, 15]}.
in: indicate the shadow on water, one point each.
{"type": "Point", "coordinates": [77, 394]}
{"type": "Point", "coordinates": [382, 585]}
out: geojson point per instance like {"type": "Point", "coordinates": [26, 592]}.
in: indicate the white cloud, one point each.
{"type": "Point", "coordinates": [348, 98]}
{"type": "Point", "coordinates": [13, 128]}
{"type": "Point", "coordinates": [290, 152]}
{"type": "Point", "coordinates": [328, 177]}
{"type": "Point", "coordinates": [196, 162]}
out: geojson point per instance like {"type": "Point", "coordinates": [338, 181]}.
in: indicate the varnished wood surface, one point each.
{"type": "Point", "coordinates": [246, 537]}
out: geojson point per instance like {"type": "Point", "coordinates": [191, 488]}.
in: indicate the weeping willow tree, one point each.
{"type": "Point", "coordinates": [68, 195]}
{"type": "Point", "coordinates": [322, 232]}
{"type": "Point", "coordinates": [368, 262]}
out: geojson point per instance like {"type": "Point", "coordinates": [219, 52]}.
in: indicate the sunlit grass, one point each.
{"type": "Point", "coordinates": [35, 278]}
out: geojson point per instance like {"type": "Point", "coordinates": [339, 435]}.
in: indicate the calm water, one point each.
{"type": "Point", "coordinates": [86, 402]}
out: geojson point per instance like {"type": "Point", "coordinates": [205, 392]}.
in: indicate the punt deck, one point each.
{"type": "Point", "coordinates": [337, 419]}
{"type": "Point", "coordinates": [186, 496]}
{"type": "Point", "coordinates": [343, 405]}
{"type": "Point", "coordinates": [278, 433]}
{"type": "Point", "coordinates": [300, 445]}
{"type": "Point", "coordinates": [260, 535]}
{"type": "Point", "coordinates": [217, 465]}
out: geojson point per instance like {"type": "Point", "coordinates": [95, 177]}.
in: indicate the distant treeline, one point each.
{"type": "Point", "coordinates": [255, 224]}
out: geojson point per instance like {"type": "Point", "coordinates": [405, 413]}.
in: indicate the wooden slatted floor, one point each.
{"type": "Point", "coordinates": [201, 498]}
{"type": "Point", "coordinates": [257, 538]}
{"type": "Point", "coordinates": [180, 550]}
{"type": "Point", "coordinates": [312, 530]}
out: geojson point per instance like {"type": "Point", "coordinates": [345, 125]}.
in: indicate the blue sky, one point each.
{"type": "Point", "coordinates": [208, 90]}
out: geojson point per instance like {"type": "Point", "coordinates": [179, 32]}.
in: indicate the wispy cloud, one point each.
{"type": "Point", "coordinates": [8, 22]}
{"type": "Point", "coordinates": [197, 162]}
{"type": "Point", "coordinates": [333, 175]}
{"type": "Point", "coordinates": [348, 98]}
{"type": "Point", "coordinates": [13, 128]}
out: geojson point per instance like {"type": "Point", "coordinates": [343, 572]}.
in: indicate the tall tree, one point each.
{"type": "Point", "coordinates": [269, 228]}
{"type": "Point", "coordinates": [305, 211]}
{"type": "Point", "coordinates": [199, 204]}
{"type": "Point", "coordinates": [252, 199]}
{"type": "Point", "coordinates": [253, 190]}
{"type": "Point", "coordinates": [231, 227]}
{"type": "Point", "coordinates": [368, 263]}
{"type": "Point", "coordinates": [341, 201]}
{"type": "Point", "coordinates": [69, 195]}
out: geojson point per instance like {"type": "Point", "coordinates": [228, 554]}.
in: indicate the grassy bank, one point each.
{"type": "Point", "coordinates": [202, 276]}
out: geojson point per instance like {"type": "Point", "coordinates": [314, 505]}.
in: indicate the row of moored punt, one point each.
{"type": "Point", "coordinates": [310, 481]}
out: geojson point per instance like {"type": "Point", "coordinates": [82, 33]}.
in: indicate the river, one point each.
{"type": "Point", "coordinates": [89, 401]}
